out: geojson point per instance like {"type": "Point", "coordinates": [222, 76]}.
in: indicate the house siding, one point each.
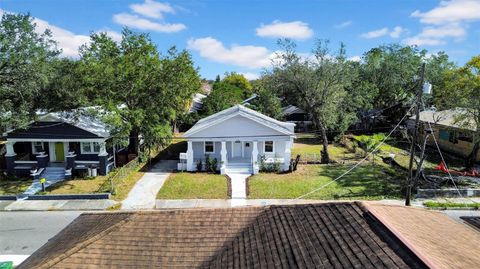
{"type": "Point", "coordinates": [461, 148]}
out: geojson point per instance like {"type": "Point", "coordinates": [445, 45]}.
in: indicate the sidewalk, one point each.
{"type": "Point", "coordinates": [223, 203]}
{"type": "Point", "coordinates": [144, 193]}
{"type": "Point", "coordinates": [48, 205]}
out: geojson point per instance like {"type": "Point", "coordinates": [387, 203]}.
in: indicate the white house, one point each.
{"type": "Point", "coordinates": [239, 137]}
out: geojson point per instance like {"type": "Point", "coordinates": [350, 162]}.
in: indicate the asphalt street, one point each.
{"type": "Point", "coordinates": [21, 233]}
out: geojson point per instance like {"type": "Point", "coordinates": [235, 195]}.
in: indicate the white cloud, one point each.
{"type": "Point", "coordinates": [449, 19]}
{"type": "Point", "coordinates": [250, 76]}
{"type": "Point", "coordinates": [376, 33]}
{"type": "Point", "coordinates": [344, 24]}
{"type": "Point", "coordinates": [244, 56]}
{"type": "Point", "coordinates": [152, 9]}
{"type": "Point", "coordinates": [66, 40]}
{"type": "Point", "coordinates": [423, 41]}
{"type": "Point", "coordinates": [294, 30]}
{"type": "Point", "coordinates": [450, 11]}
{"type": "Point", "coordinates": [355, 58]}
{"type": "Point", "coordinates": [137, 22]}
{"type": "Point", "coordinates": [395, 33]}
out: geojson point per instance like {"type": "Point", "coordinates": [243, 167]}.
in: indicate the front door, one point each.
{"type": "Point", "coordinates": [59, 152]}
{"type": "Point", "coordinates": [237, 149]}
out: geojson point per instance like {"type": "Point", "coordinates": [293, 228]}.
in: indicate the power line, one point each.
{"type": "Point", "coordinates": [443, 159]}
{"type": "Point", "coordinates": [361, 161]}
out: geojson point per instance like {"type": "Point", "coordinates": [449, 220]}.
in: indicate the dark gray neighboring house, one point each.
{"type": "Point", "coordinates": [72, 140]}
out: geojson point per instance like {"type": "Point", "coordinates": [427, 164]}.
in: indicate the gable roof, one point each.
{"type": "Point", "coordinates": [329, 235]}
{"type": "Point", "coordinates": [72, 124]}
{"type": "Point", "coordinates": [447, 118]}
{"type": "Point", "coordinates": [282, 127]}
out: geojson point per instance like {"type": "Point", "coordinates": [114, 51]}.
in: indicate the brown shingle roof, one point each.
{"type": "Point", "coordinates": [438, 239]}
{"type": "Point", "coordinates": [331, 235]}
{"type": "Point", "coordinates": [474, 221]}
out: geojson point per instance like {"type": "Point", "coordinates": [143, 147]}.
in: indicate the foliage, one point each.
{"type": "Point", "coordinates": [144, 91]}
{"type": "Point", "coordinates": [210, 164]}
{"type": "Point", "coordinates": [461, 88]}
{"type": "Point", "coordinates": [199, 165]}
{"type": "Point", "coordinates": [316, 85]}
{"type": "Point", "coordinates": [269, 167]}
{"type": "Point", "coordinates": [446, 205]}
{"type": "Point", "coordinates": [222, 96]}
{"type": "Point", "coordinates": [64, 90]}
{"type": "Point", "coordinates": [370, 142]}
{"type": "Point", "coordinates": [25, 70]}
{"type": "Point", "coordinates": [266, 102]}
{"type": "Point", "coordinates": [239, 81]}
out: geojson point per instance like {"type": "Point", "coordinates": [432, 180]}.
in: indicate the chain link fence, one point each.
{"type": "Point", "coordinates": [118, 178]}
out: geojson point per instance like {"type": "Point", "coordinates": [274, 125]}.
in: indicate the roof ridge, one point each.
{"type": "Point", "coordinates": [88, 241]}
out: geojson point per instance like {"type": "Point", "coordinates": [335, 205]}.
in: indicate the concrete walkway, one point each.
{"type": "Point", "coordinates": [144, 193]}
{"type": "Point", "coordinates": [239, 188]}
{"type": "Point", "coordinates": [49, 205]}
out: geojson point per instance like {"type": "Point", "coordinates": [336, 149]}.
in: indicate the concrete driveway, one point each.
{"type": "Point", "coordinates": [144, 193]}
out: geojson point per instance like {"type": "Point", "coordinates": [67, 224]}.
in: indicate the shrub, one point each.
{"type": "Point", "coordinates": [199, 165]}
{"type": "Point", "coordinates": [269, 167]}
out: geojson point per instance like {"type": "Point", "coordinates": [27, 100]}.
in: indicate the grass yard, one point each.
{"type": "Point", "coordinates": [78, 186]}
{"type": "Point", "coordinates": [369, 182]}
{"type": "Point", "coordinates": [99, 184]}
{"type": "Point", "coordinates": [184, 185]}
{"type": "Point", "coordinates": [14, 186]}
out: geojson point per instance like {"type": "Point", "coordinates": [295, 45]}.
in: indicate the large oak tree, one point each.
{"type": "Point", "coordinates": [146, 90]}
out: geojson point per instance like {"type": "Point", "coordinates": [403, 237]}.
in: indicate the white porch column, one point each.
{"type": "Point", "coordinates": [190, 164]}
{"type": "Point", "coordinates": [10, 150]}
{"type": "Point", "coordinates": [223, 153]}
{"type": "Point", "coordinates": [103, 148]}
{"type": "Point", "coordinates": [255, 158]}
{"type": "Point", "coordinates": [287, 155]}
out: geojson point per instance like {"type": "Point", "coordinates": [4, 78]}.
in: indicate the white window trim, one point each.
{"type": "Point", "coordinates": [92, 151]}
{"type": "Point", "coordinates": [34, 150]}
{"type": "Point", "coordinates": [205, 146]}
{"type": "Point", "coordinates": [273, 146]}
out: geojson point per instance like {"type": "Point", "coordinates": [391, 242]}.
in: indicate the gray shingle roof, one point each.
{"type": "Point", "coordinates": [330, 235]}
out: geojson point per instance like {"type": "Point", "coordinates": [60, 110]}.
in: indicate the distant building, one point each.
{"type": "Point", "coordinates": [452, 135]}
{"type": "Point", "coordinates": [303, 120]}
{"type": "Point", "coordinates": [197, 103]}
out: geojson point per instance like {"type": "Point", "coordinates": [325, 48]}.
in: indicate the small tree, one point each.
{"type": "Point", "coordinates": [371, 142]}
{"type": "Point", "coordinates": [462, 88]}
{"type": "Point", "coordinates": [317, 85]}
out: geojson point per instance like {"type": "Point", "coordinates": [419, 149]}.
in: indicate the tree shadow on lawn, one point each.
{"type": "Point", "coordinates": [12, 187]}
{"type": "Point", "coordinates": [366, 181]}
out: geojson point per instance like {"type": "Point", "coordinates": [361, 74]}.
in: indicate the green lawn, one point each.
{"type": "Point", "coordinates": [194, 186]}
{"type": "Point", "coordinates": [14, 186]}
{"type": "Point", "coordinates": [370, 182]}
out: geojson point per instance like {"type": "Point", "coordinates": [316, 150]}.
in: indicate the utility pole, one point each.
{"type": "Point", "coordinates": [418, 103]}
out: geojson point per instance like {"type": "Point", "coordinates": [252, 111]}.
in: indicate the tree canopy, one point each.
{"type": "Point", "coordinates": [25, 68]}
{"type": "Point", "coordinates": [131, 79]}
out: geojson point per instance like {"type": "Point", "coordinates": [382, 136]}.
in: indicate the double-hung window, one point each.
{"type": "Point", "coordinates": [37, 147]}
{"type": "Point", "coordinates": [209, 147]}
{"type": "Point", "coordinates": [268, 146]}
{"type": "Point", "coordinates": [90, 147]}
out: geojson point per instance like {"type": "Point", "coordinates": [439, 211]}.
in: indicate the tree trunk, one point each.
{"type": "Point", "coordinates": [472, 157]}
{"type": "Point", "coordinates": [133, 143]}
{"type": "Point", "coordinates": [324, 152]}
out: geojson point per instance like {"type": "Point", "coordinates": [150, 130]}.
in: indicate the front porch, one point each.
{"type": "Point", "coordinates": [237, 153]}
{"type": "Point", "coordinates": [31, 157]}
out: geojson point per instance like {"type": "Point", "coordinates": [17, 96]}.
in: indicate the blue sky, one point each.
{"type": "Point", "coordinates": [228, 35]}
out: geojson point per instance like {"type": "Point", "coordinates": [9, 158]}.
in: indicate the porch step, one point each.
{"type": "Point", "coordinates": [54, 173]}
